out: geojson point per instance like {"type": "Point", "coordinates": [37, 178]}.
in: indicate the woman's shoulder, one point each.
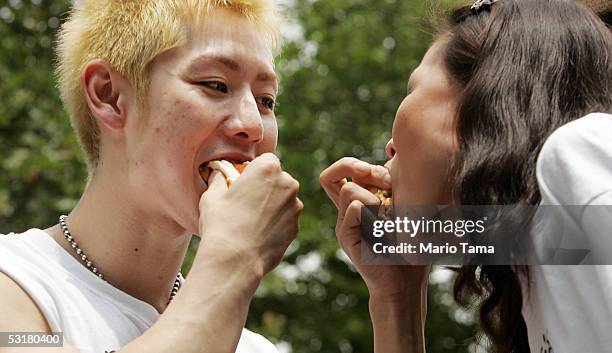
{"type": "Point", "coordinates": [575, 162]}
{"type": "Point", "coordinates": [592, 128]}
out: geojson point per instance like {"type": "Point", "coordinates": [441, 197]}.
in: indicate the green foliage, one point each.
{"type": "Point", "coordinates": [42, 170]}
{"type": "Point", "coordinates": [343, 75]}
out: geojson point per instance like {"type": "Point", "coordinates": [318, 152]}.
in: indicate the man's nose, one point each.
{"type": "Point", "coordinates": [390, 149]}
{"type": "Point", "coordinates": [246, 125]}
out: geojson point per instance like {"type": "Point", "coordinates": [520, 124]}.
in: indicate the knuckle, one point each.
{"type": "Point", "coordinates": [348, 160]}
{"type": "Point", "coordinates": [270, 166]}
{"type": "Point", "coordinates": [287, 181]}
{"type": "Point", "coordinates": [263, 157]}
{"type": "Point", "coordinates": [299, 206]}
{"type": "Point", "coordinates": [294, 185]}
{"type": "Point", "coordinates": [327, 172]}
{"type": "Point", "coordinates": [271, 157]}
{"type": "Point", "coordinates": [323, 175]}
{"type": "Point", "coordinates": [355, 205]}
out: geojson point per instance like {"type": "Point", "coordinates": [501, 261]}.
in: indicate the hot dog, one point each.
{"type": "Point", "coordinates": [383, 195]}
{"type": "Point", "coordinates": [385, 211]}
{"type": "Point", "coordinates": [231, 171]}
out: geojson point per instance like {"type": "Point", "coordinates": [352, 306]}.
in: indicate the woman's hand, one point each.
{"type": "Point", "coordinates": [398, 294]}
{"type": "Point", "coordinates": [384, 282]}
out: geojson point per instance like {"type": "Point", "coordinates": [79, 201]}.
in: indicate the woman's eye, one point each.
{"type": "Point", "coordinates": [216, 85]}
{"type": "Point", "coordinates": [266, 102]}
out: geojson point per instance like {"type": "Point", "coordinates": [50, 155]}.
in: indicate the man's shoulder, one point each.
{"type": "Point", "coordinates": [251, 342]}
{"type": "Point", "coordinates": [21, 248]}
{"type": "Point", "coordinates": [19, 311]}
{"type": "Point", "coordinates": [20, 235]}
{"type": "Point", "coordinates": [4, 236]}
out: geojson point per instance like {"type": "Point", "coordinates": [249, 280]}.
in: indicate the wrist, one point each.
{"type": "Point", "coordinates": [415, 290]}
{"type": "Point", "coordinates": [399, 321]}
{"type": "Point", "coordinates": [403, 284]}
{"type": "Point", "coordinates": [226, 262]}
{"type": "Point", "coordinates": [405, 303]}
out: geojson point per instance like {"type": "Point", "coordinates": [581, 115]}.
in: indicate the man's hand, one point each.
{"type": "Point", "coordinates": [257, 218]}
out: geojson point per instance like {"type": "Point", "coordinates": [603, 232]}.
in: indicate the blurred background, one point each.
{"type": "Point", "coordinates": [343, 74]}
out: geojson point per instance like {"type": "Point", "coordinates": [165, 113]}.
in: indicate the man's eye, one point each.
{"type": "Point", "coordinates": [216, 85]}
{"type": "Point", "coordinates": [266, 102]}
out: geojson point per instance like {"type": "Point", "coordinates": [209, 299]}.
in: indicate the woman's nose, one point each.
{"type": "Point", "coordinates": [390, 149]}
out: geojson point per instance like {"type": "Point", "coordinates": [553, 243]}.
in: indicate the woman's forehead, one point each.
{"type": "Point", "coordinates": [432, 61]}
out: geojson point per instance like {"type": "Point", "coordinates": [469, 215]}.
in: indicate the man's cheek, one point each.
{"type": "Point", "coordinates": [270, 139]}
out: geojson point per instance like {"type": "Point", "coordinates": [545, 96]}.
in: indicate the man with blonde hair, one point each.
{"type": "Point", "coordinates": [155, 89]}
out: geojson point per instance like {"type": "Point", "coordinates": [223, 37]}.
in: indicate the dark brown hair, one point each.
{"type": "Point", "coordinates": [606, 17]}
{"type": "Point", "coordinates": [524, 68]}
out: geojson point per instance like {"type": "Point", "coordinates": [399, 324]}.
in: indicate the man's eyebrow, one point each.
{"type": "Point", "coordinates": [227, 62]}
{"type": "Point", "coordinates": [233, 65]}
{"type": "Point", "coordinates": [264, 76]}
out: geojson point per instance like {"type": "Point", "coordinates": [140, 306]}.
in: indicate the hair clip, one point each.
{"type": "Point", "coordinates": [479, 4]}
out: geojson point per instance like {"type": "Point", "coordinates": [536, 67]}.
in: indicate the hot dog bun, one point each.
{"type": "Point", "coordinates": [385, 211]}
{"type": "Point", "coordinates": [231, 171]}
{"type": "Point", "coordinates": [383, 195]}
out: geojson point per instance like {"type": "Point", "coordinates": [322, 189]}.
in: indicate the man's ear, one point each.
{"type": "Point", "coordinates": [108, 94]}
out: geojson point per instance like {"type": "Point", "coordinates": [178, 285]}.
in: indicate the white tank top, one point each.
{"type": "Point", "coordinates": [93, 315]}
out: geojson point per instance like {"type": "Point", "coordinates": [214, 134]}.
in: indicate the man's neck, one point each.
{"type": "Point", "coordinates": [137, 252]}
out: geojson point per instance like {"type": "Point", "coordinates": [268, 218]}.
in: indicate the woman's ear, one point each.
{"type": "Point", "coordinates": [108, 94]}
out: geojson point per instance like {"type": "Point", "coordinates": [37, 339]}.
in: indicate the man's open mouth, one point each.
{"type": "Point", "coordinates": [230, 168]}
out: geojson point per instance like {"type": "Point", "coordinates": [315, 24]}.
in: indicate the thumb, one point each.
{"type": "Point", "coordinates": [349, 232]}
{"type": "Point", "coordinates": [216, 184]}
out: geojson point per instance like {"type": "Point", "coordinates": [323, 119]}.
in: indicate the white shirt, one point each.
{"type": "Point", "coordinates": [569, 308]}
{"type": "Point", "coordinates": [94, 316]}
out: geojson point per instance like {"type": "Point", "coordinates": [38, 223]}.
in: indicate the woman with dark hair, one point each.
{"type": "Point", "coordinates": [499, 80]}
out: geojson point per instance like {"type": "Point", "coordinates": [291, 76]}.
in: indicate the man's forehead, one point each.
{"type": "Point", "coordinates": [222, 28]}
{"type": "Point", "coordinates": [236, 47]}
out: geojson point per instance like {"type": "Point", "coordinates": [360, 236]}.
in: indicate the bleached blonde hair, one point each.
{"type": "Point", "coordinates": [129, 34]}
